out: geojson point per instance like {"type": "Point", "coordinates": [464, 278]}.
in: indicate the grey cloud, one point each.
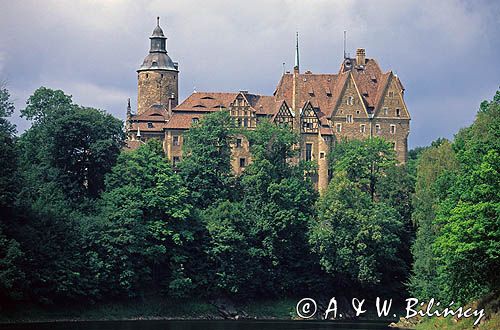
{"type": "Point", "coordinates": [445, 52]}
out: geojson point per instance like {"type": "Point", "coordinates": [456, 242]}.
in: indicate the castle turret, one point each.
{"type": "Point", "coordinates": [157, 78]}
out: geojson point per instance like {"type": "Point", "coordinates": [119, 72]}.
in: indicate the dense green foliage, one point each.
{"type": "Point", "coordinates": [457, 208]}
{"type": "Point", "coordinates": [206, 168]}
{"type": "Point", "coordinates": [84, 220]}
{"type": "Point", "coordinates": [362, 225]}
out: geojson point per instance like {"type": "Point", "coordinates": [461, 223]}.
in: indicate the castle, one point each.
{"type": "Point", "coordinates": [358, 102]}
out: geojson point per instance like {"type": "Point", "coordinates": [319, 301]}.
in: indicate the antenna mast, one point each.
{"type": "Point", "coordinates": [345, 55]}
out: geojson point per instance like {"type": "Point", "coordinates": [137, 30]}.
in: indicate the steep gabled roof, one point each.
{"type": "Point", "coordinates": [322, 87]}
{"type": "Point", "coordinates": [324, 90]}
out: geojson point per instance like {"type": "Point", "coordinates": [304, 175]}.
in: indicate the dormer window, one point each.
{"type": "Point", "coordinates": [150, 125]}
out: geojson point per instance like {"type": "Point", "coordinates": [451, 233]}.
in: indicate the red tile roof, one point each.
{"type": "Point", "coordinates": [182, 120]}
{"type": "Point", "coordinates": [324, 90]}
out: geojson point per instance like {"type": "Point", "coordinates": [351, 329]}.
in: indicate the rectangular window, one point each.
{"type": "Point", "coordinates": [393, 145]}
{"type": "Point", "coordinates": [309, 148]}
{"type": "Point", "coordinates": [386, 111]}
{"type": "Point", "coordinates": [339, 128]}
{"type": "Point", "coordinates": [150, 125]}
{"type": "Point", "coordinates": [176, 160]}
{"type": "Point", "coordinates": [348, 119]}
{"type": "Point", "coordinates": [175, 140]}
{"type": "Point", "coordinates": [245, 122]}
{"type": "Point", "coordinates": [195, 120]}
{"type": "Point", "coordinates": [350, 100]}
{"type": "Point", "coordinates": [321, 155]}
{"type": "Point", "coordinates": [391, 94]}
{"type": "Point", "coordinates": [243, 162]}
{"type": "Point", "coordinates": [398, 112]}
{"type": "Point", "coordinates": [378, 130]}
{"type": "Point", "coordinates": [238, 143]}
{"type": "Point", "coordinates": [362, 128]}
{"type": "Point", "coordinates": [393, 129]}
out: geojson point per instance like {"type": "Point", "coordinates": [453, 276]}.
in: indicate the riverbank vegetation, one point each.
{"type": "Point", "coordinates": [84, 221]}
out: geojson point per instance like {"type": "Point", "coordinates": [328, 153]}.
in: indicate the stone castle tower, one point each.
{"type": "Point", "coordinates": [157, 78]}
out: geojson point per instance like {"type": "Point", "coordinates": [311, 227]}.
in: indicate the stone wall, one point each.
{"type": "Point", "coordinates": [156, 87]}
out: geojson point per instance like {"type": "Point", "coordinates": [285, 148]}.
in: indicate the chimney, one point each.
{"type": "Point", "coordinates": [360, 57]}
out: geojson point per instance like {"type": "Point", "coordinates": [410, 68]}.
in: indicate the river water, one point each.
{"type": "Point", "coordinates": [200, 325]}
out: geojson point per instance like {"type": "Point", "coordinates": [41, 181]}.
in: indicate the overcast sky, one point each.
{"type": "Point", "coordinates": [446, 52]}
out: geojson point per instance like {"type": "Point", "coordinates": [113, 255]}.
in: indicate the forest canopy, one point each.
{"type": "Point", "coordinates": [83, 219]}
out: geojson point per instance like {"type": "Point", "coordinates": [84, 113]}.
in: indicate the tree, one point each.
{"type": "Point", "coordinates": [368, 197]}
{"type": "Point", "coordinates": [206, 167]}
{"type": "Point", "coordinates": [8, 154]}
{"type": "Point", "coordinates": [279, 201]}
{"type": "Point", "coordinates": [11, 254]}
{"type": "Point", "coordinates": [437, 161]}
{"type": "Point", "coordinates": [364, 161]}
{"type": "Point", "coordinates": [145, 223]}
{"type": "Point", "coordinates": [355, 238]}
{"type": "Point", "coordinates": [467, 247]}
{"type": "Point", "coordinates": [72, 145]}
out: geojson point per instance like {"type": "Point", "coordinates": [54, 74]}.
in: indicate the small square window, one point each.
{"type": "Point", "coordinates": [150, 125]}
{"type": "Point", "coordinates": [195, 120]}
{"type": "Point", "coordinates": [391, 94]}
{"type": "Point", "coordinates": [321, 155]}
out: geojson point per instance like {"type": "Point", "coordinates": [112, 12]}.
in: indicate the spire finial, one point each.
{"type": "Point", "coordinates": [158, 20]}
{"type": "Point", "coordinates": [297, 51]}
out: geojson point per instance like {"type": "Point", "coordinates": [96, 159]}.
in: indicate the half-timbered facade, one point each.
{"type": "Point", "coordinates": [358, 102]}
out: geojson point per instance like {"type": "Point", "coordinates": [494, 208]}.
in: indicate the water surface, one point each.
{"type": "Point", "coordinates": [201, 325]}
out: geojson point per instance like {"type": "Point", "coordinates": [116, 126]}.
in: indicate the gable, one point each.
{"type": "Point", "coordinates": [309, 119]}
{"type": "Point", "coordinates": [392, 104]}
{"type": "Point", "coordinates": [284, 116]}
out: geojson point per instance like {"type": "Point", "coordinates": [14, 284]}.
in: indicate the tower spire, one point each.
{"type": "Point", "coordinates": [296, 67]}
